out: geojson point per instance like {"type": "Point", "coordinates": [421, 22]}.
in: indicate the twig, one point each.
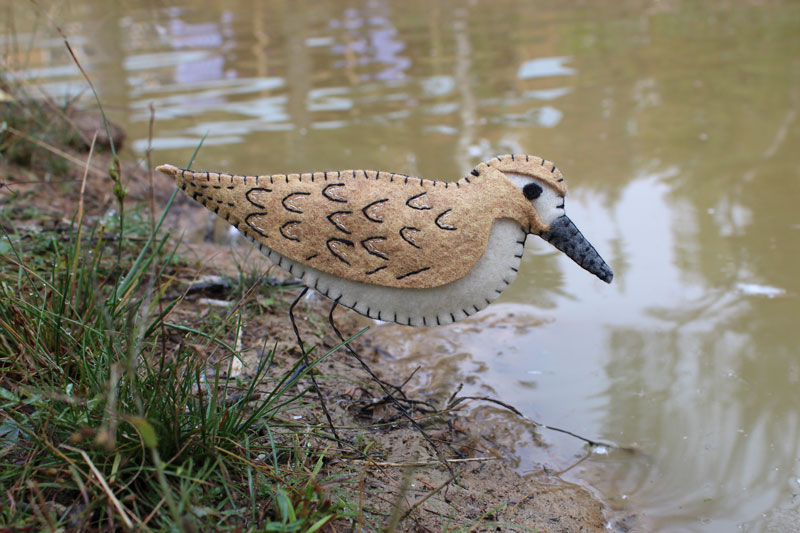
{"type": "Point", "coordinates": [490, 400]}
{"type": "Point", "coordinates": [114, 501]}
{"type": "Point", "coordinates": [405, 482]}
{"type": "Point", "coordinates": [147, 153]}
{"type": "Point", "coordinates": [427, 496]}
{"type": "Point", "coordinates": [425, 463]}
{"type": "Point", "coordinates": [311, 372]}
{"type": "Point", "coordinates": [61, 153]}
{"type": "Point", "coordinates": [83, 181]}
{"type": "Point", "coordinates": [383, 386]}
{"type": "Point", "coordinates": [452, 403]}
{"type": "Point", "coordinates": [39, 505]}
{"type": "Point", "coordinates": [453, 396]}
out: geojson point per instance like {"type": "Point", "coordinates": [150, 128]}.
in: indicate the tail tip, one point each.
{"type": "Point", "coordinates": [169, 170]}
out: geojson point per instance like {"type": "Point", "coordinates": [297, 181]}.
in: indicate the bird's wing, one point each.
{"type": "Point", "coordinates": [373, 227]}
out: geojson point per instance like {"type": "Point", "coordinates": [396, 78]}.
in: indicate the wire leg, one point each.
{"type": "Point", "coordinates": [305, 364]}
{"type": "Point", "coordinates": [383, 386]}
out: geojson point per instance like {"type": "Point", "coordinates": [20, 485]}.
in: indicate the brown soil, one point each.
{"type": "Point", "coordinates": [401, 479]}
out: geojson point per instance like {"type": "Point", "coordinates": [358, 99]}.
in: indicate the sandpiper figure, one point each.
{"type": "Point", "coordinates": [398, 248]}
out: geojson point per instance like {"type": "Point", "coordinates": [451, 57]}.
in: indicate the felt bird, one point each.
{"type": "Point", "coordinates": [398, 248]}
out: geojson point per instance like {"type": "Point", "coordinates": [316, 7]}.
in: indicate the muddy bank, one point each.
{"type": "Point", "coordinates": [482, 439]}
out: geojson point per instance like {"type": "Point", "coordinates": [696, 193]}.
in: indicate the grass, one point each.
{"type": "Point", "coordinates": [111, 417]}
{"type": "Point", "coordinates": [108, 417]}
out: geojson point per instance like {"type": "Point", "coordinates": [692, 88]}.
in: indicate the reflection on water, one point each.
{"type": "Point", "coordinates": [675, 123]}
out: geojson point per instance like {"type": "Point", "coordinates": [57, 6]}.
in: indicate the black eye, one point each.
{"type": "Point", "coordinates": [532, 191]}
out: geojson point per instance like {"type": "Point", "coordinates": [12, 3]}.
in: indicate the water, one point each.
{"type": "Point", "coordinates": [676, 124]}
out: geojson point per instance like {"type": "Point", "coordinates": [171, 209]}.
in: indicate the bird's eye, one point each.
{"type": "Point", "coordinates": [532, 191]}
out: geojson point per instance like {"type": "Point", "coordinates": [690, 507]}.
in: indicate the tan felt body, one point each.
{"type": "Point", "coordinates": [374, 227]}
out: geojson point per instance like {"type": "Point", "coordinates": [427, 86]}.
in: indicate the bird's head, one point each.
{"type": "Point", "coordinates": [543, 185]}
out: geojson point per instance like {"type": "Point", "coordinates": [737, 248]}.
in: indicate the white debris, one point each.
{"type": "Point", "coordinates": [212, 302]}
{"type": "Point", "coordinates": [754, 289]}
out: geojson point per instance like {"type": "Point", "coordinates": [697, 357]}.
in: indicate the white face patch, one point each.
{"type": "Point", "coordinates": [549, 205]}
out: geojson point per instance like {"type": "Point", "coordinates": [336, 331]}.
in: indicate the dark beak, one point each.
{"type": "Point", "coordinates": [566, 237]}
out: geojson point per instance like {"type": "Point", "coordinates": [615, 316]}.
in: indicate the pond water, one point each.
{"type": "Point", "coordinates": [675, 123]}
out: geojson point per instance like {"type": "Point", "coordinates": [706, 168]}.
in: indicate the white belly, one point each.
{"type": "Point", "coordinates": [451, 302]}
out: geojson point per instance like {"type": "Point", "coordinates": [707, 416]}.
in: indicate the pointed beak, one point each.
{"type": "Point", "coordinates": [566, 237]}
